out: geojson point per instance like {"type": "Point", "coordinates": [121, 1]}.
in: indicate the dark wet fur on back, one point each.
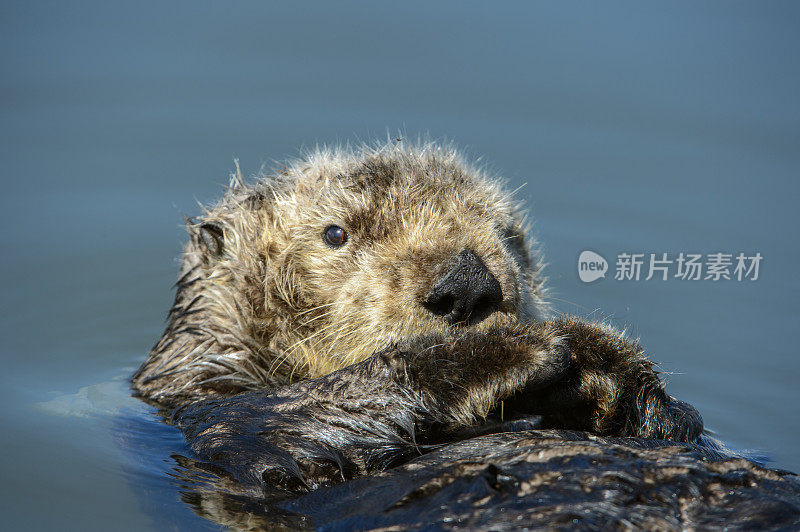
{"type": "Point", "coordinates": [540, 479]}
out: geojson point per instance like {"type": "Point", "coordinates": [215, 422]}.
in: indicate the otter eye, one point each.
{"type": "Point", "coordinates": [334, 236]}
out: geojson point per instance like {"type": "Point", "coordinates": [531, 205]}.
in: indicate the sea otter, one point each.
{"type": "Point", "coordinates": [359, 307]}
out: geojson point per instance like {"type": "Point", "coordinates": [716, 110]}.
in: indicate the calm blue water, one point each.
{"type": "Point", "coordinates": [637, 128]}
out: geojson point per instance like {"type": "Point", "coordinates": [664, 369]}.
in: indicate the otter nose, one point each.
{"type": "Point", "coordinates": [468, 292]}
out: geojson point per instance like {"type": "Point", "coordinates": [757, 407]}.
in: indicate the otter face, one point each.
{"type": "Point", "coordinates": [334, 258]}
{"type": "Point", "coordinates": [395, 244]}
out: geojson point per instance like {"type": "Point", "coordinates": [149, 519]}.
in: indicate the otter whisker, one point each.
{"type": "Point", "coordinates": [311, 337]}
{"type": "Point", "coordinates": [315, 308]}
{"type": "Point", "coordinates": [289, 352]}
{"type": "Point", "coordinates": [567, 301]}
{"type": "Point", "coordinates": [321, 316]}
{"type": "Point", "coordinates": [432, 347]}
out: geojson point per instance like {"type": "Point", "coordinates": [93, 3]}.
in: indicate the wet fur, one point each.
{"type": "Point", "coordinates": [380, 412]}
{"type": "Point", "coordinates": [293, 366]}
{"type": "Point", "coordinates": [262, 301]}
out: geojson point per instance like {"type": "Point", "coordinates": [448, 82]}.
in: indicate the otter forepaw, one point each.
{"type": "Point", "coordinates": [461, 378]}
{"type": "Point", "coordinates": [612, 388]}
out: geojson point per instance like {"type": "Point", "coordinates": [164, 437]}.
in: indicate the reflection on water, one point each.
{"type": "Point", "coordinates": [127, 441]}
{"type": "Point", "coordinates": [648, 129]}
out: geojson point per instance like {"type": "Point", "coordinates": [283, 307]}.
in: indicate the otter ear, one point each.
{"type": "Point", "coordinates": [211, 238]}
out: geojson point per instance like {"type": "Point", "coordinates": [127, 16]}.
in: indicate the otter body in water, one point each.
{"type": "Point", "coordinates": [358, 308]}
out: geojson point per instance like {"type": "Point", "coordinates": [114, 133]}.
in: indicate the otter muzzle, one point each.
{"type": "Point", "coordinates": [467, 293]}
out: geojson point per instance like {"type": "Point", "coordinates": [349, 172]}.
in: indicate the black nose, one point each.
{"type": "Point", "coordinates": [468, 292]}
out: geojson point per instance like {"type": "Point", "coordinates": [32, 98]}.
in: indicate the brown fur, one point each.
{"type": "Point", "coordinates": [262, 301]}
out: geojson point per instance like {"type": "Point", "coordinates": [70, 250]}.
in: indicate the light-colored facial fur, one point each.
{"type": "Point", "coordinates": [263, 300]}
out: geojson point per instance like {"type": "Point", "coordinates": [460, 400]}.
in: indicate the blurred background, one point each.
{"type": "Point", "coordinates": [637, 127]}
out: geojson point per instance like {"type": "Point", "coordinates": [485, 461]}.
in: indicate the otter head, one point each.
{"type": "Point", "coordinates": [343, 253]}
{"type": "Point", "coordinates": [372, 247]}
